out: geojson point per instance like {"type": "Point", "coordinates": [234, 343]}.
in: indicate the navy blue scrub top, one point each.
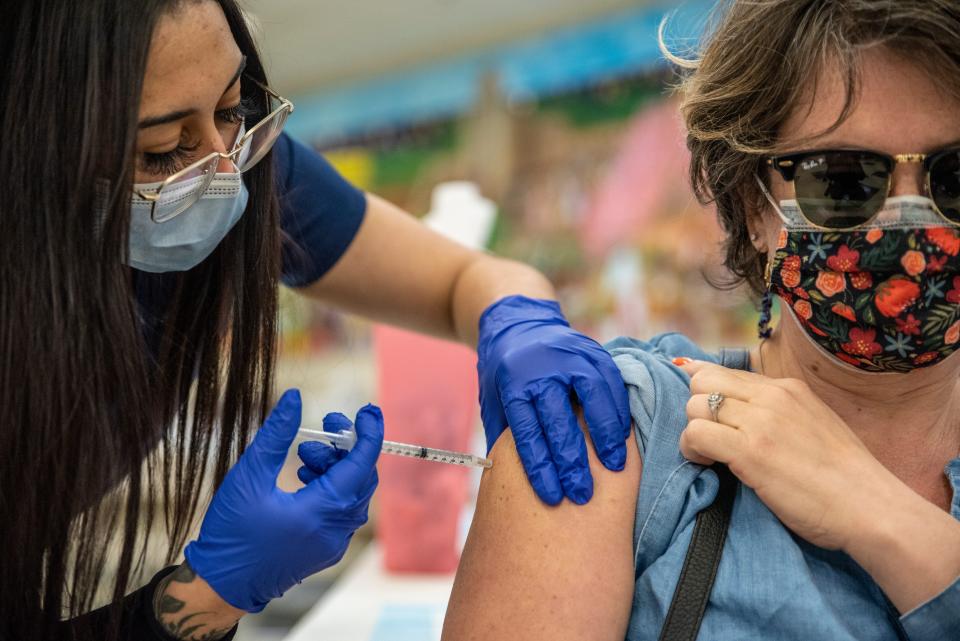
{"type": "Point", "coordinates": [320, 214]}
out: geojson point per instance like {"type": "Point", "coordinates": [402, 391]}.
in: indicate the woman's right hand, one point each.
{"type": "Point", "coordinates": [256, 540]}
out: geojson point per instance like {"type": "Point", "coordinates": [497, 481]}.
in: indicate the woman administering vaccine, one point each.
{"type": "Point", "coordinates": [149, 206]}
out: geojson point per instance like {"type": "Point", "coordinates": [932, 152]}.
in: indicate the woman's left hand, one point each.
{"type": "Point", "coordinates": [786, 444]}
{"type": "Point", "coordinates": [530, 362]}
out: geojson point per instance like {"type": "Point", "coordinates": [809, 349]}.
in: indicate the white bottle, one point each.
{"type": "Point", "coordinates": [461, 213]}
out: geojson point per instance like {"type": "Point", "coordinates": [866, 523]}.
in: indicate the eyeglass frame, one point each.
{"type": "Point", "coordinates": [238, 144]}
{"type": "Point", "coordinates": [786, 166]}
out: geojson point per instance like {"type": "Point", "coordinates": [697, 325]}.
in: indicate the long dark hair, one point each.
{"type": "Point", "coordinates": [101, 430]}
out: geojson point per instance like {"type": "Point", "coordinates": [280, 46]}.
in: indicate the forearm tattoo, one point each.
{"type": "Point", "coordinates": [176, 618]}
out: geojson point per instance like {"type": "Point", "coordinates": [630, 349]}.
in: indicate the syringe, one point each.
{"type": "Point", "coordinates": [346, 439]}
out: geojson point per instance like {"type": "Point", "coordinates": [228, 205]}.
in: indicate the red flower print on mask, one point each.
{"type": "Point", "coordinates": [801, 293]}
{"type": "Point", "coordinates": [791, 263]}
{"type": "Point", "coordinates": [845, 260]}
{"type": "Point", "coordinates": [803, 309]}
{"type": "Point", "coordinates": [909, 326]}
{"type": "Point", "coordinates": [844, 310]}
{"type": "Point", "coordinates": [813, 328]}
{"type": "Point", "coordinates": [913, 262]}
{"type": "Point", "coordinates": [952, 335]}
{"type": "Point", "coordinates": [861, 280]}
{"type": "Point", "coordinates": [782, 239]}
{"type": "Point", "coordinates": [953, 296]}
{"type": "Point", "coordinates": [862, 343]}
{"type": "Point", "coordinates": [830, 283]}
{"type": "Point", "coordinates": [895, 295]}
{"type": "Point", "coordinates": [785, 295]}
{"type": "Point", "coordinates": [874, 235]}
{"type": "Point", "coordinates": [790, 277]}
{"type": "Point", "coordinates": [925, 358]}
{"type": "Point", "coordinates": [945, 238]}
{"type": "Point", "coordinates": [935, 264]}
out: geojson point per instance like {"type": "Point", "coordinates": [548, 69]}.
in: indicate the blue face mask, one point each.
{"type": "Point", "coordinates": [184, 241]}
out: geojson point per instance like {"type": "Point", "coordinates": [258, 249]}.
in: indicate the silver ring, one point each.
{"type": "Point", "coordinates": [715, 402]}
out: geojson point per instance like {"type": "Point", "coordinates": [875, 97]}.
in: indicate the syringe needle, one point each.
{"type": "Point", "coordinates": [345, 440]}
{"type": "Point", "coordinates": [436, 455]}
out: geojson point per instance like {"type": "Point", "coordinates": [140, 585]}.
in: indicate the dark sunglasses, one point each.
{"type": "Point", "coordinates": [842, 189]}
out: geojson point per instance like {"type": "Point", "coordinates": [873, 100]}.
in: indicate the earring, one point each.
{"type": "Point", "coordinates": [766, 304]}
{"type": "Point", "coordinates": [754, 237]}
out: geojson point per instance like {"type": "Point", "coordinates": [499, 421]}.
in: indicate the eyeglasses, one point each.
{"type": "Point", "coordinates": [182, 189]}
{"type": "Point", "coordinates": [845, 188]}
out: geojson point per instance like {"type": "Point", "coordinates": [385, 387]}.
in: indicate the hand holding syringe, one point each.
{"type": "Point", "coordinates": [347, 438]}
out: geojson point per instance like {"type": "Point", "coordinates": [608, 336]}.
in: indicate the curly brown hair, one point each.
{"type": "Point", "coordinates": [756, 60]}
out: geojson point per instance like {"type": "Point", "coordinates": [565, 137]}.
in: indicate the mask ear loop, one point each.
{"type": "Point", "coordinates": [773, 203]}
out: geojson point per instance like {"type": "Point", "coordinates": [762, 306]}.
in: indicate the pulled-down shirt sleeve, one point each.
{"type": "Point", "coordinates": [939, 618]}
{"type": "Point", "coordinates": [936, 620]}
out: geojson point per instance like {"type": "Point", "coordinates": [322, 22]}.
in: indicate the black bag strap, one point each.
{"type": "Point", "coordinates": [700, 565]}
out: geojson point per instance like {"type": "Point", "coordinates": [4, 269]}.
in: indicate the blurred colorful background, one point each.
{"type": "Point", "coordinates": [560, 116]}
{"type": "Point", "coordinates": [571, 131]}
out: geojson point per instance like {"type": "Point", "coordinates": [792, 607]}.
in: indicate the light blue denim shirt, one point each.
{"type": "Point", "coordinates": [770, 583]}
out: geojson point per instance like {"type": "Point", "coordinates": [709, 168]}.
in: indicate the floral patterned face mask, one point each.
{"type": "Point", "coordinates": [884, 297]}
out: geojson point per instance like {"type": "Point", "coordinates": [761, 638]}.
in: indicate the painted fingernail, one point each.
{"type": "Point", "coordinates": [680, 361]}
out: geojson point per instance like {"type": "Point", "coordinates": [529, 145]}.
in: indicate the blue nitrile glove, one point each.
{"type": "Point", "coordinates": [530, 362]}
{"type": "Point", "coordinates": [256, 540]}
{"type": "Point", "coordinates": [318, 457]}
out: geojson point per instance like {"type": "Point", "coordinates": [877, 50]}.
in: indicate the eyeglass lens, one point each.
{"type": "Point", "coordinates": [945, 184]}
{"type": "Point", "coordinates": [264, 135]}
{"type": "Point", "coordinates": [841, 189]}
{"type": "Point", "coordinates": [179, 195]}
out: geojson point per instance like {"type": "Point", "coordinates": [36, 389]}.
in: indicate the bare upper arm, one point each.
{"type": "Point", "coordinates": [397, 271]}
{"type": "Point", "coordinates": [531, 571]}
